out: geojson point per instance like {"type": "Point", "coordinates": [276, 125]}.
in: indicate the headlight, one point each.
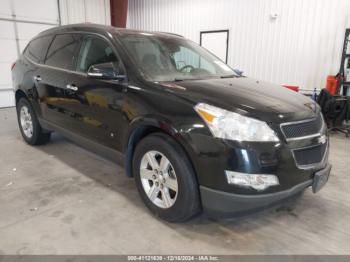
{"type": "Point", "coordinates": [228, 125]}
{"type": "Point", "coordinates": [256, 181]}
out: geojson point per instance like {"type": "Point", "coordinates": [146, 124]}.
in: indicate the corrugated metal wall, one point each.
{"type": "Point", "coordinates": [302, 46]}
{"type": "Point", "coordinates": [80, 11]}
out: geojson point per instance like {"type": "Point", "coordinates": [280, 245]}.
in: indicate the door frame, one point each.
{"type": "Point", "coordinates": [217, 31]}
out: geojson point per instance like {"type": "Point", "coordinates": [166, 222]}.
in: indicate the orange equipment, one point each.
{"type": "Point", "coordinates": [332, 84]}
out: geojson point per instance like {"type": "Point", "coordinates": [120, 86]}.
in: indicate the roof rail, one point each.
{"type": "Point", "coordinates": [169, 33]}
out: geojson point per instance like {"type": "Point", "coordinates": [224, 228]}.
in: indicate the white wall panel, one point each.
{"type": "Point", "coordinates": [5, 10]}
{"type": "Point", "coordinates": [30, 17]}
{"type": "Point", "coordinates": [301, 47]}
{"type": "Point", "coordinates": [36, 10]}
{"type": "Point", "coordinates": [5, 79]}
{"type": "Point", "coordinates": [72, 12]}
{"type": "Point", "coordinates": [6, 30]}
{"type": "Point", "coordinates": [81, 11]}
{"type": "Point", "coordinates": [98, 11]}
{"type": "Point", "coordinates": [7, 98]}
{"type": "Point", "coordinates": [27, 31]}
{"type": "Point", "coordinates": [8, 52]}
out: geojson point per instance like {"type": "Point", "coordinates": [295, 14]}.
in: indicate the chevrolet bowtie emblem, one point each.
{"type": "Point", "coordinates": [322, 139]}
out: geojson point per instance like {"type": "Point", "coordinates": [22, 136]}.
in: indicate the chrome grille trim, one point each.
{"type": "Point", "coordinates": [288, 139]}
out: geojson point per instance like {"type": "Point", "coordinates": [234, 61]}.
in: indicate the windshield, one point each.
{"type": "Point", "coordinates": [170, 58]}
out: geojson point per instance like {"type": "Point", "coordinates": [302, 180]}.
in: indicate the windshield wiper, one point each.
{"type": "Point", "coordinates": [183, 79]}
{"type": "Point", "coordinates": [228, 76]}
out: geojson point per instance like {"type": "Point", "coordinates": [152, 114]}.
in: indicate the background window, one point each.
{"type": "Point", "coordinates": [94, 51]}
{"type": "Point", "coordinates": [62, 51]}
{"type": "Point", "coordinates": [186, 56]}
{"type": "Point", "coordinates": [37, 48]}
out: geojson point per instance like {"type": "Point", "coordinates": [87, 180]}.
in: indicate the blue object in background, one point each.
{"type": "Point", "coordinates": [238, 72]}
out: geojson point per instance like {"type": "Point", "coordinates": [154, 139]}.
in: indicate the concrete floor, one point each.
{"type": "Point", "coordinates": [62, 199]}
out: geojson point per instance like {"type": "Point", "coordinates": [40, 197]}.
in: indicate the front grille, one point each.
{"type": "Point", "coordinates": [302, 128]}
{"type": "Point", "coordinates": [310, 155]}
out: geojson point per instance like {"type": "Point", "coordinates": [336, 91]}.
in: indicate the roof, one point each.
{"type": "Point", "coordinates": [98, 28]}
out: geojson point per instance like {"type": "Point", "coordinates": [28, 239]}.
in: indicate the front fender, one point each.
{"type": "Point", "coordinates": [143, 126]}
{"type": "Point", "coordinates": [139, 124]}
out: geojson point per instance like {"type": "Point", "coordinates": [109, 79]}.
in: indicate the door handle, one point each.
{"type": "Point", "coordinates": [72, 87]}
{"type": "Point", "coordinates": [37, 78]}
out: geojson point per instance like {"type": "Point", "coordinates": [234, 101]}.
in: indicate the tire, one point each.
{"type": "Point", "coordinates": [32, 133]}
{"type": "Point", "coordinates": [175, 206]}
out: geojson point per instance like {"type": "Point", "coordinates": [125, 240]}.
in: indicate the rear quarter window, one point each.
{"type": "Point", "coordinates": [37, 48]}
{"type": "Point", "coordinates": [62, 51]}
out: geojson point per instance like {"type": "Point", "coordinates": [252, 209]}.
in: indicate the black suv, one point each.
{"type": "Point", "coordinates": [194, 134]}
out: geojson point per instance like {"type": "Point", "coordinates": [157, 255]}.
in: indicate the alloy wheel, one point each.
{"type": "Point", "coordinates": [158, 179]}
{"type": "Point", "coordinates": [26, 122]}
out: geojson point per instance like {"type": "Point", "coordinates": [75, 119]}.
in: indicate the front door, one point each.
{"type": "Point", "coordinates": [99, 104]}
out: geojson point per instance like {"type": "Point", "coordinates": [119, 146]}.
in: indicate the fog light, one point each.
{"type": "Point", "coordinates": [256, 181]}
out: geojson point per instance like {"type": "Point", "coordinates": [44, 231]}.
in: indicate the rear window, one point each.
{"type": "Point", "coordinates": [62, 51]}
{"type": "Point", "coordinates": [37, 48]}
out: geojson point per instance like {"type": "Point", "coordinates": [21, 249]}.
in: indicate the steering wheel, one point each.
{"type": "Point", "coordinates": [185, 67]}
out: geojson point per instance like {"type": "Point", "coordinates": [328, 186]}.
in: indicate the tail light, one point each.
{"type": "Point", "coordinates": [13, 65]}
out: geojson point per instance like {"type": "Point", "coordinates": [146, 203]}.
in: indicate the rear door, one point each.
{"type": "Point", "coordinates": [29, 66]}
{"type": "Point", "coordinates": [52, 79]}
{"type": "Point", "coordinates": [99, 106]}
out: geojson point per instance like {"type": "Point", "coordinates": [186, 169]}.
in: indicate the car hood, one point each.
{"type": "Point", "coordinates": [247, 96]}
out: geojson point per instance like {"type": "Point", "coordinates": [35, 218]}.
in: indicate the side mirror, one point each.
{"type": "Point", "coordinates": [238, 72]}
{"type": "Point", "coordinates": [105, 71]}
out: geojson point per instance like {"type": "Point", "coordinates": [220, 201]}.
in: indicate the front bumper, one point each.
{"type": "Point", "coordinates": [293, 161]}
{"type": "Point", "coordinates": [212, 157]}
{"type": "Point", "coordinates": [221, 204]}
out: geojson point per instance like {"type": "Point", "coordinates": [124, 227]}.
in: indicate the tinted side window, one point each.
{"type": "Point", "coordinates": [94, 50]}
{"type": "Point", "coordinates": [37, 48]}
{"type": "Point", "coordinates": [62, 50]}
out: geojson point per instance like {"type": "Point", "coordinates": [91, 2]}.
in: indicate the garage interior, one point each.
{"type": "Point", "coordinates": [59, 198]}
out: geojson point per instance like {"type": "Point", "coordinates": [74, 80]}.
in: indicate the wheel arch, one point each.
{"type": "Point", "coordinates": [32, 96]}
{"type": "Point", "coordinates": [142, 128]}
{"type": "Point", "coordinates": [19, 94]}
